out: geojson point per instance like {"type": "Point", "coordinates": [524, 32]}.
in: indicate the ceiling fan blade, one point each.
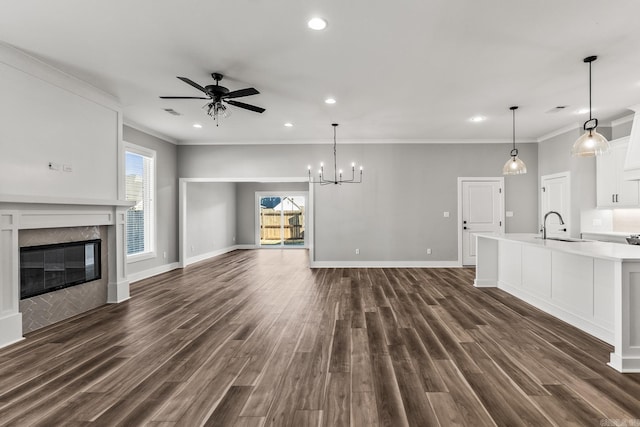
{"type": "Point", "coordinates": [242, 92]}
{"type": "Point", "coordinates": [183, 97]}
{"type": "Point", "coordinates": [192, 83]}
{"type": "Point", "coordinates": [246, 106]}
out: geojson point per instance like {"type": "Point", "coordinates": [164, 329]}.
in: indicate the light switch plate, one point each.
{"type": "Point", "coordinates": [445, 214]}
{"type": "Point", "coordinates": [509, 214]}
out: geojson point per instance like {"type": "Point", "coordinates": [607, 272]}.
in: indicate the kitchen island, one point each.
{"type": "Point", "coordinates": [592, 285]}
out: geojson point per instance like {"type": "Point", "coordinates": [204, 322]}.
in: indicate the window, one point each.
{"type": "Point", "coordinates": [281, 219]}
{"type": "Point", "coordinates": [140, 188]}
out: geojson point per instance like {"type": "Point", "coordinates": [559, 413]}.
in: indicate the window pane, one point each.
{"type": "Point", "coordinates": [139, 189]}
{"type": "Point", "coordinates": [270, 227]}
{"type": "Point", "coordinates": [293, 210]}
{"type": "Point", "coordinates": [282, 220]}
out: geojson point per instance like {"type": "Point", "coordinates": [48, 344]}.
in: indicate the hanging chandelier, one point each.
{"type": "Point", "coordinates": [337, 174]}
{"type": "Point", "coordinates": [591, 143]}
{"type": "Point", "coordinates": [514, 166]}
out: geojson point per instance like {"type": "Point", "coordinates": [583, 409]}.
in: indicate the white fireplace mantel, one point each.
{"type": "Point", "coordinates": [21, 213]}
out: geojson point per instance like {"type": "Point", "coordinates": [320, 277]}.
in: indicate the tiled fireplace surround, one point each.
{"type": "Point", "coordinates": [27, 223]}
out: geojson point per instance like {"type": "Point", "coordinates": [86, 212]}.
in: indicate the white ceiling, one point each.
{"type": "Point", "coordinates": [400, 70]}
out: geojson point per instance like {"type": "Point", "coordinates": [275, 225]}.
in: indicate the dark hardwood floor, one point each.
{"type": "Point", "coordinates": [257, 338]}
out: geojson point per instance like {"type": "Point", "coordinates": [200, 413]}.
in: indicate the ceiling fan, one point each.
{"type": "Point", "coordinates": [216, 94]}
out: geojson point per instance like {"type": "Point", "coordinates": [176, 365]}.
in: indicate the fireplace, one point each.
{"type": "Point", "coordinates": [28, 221]}
{"type": "Point", "coordinates": [48, 268]}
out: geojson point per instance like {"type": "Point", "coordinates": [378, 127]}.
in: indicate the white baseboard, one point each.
{"type": "Point", "coordinates": [245, 247]}
{"type": "Point", "coordinates": [383, 264]}
{"type": "Point", "coordinates": [485, 283]}
{"type": "Point", "coordinates": [598, 331]}
{"type": "Point", "coordinates": [145, 274]}
{"type": "Point", "coordinates": [212, 254]}
{"type": "Point", "coordinates": [10, 329]}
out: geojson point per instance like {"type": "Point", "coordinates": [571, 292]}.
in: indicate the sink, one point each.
{"type": "Point", "coordinates": [565, 239]}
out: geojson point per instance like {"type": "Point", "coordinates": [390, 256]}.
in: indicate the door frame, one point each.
{"type": "Point", "coordinates": [567, 175]}
{"type": "Point", "coordinates": [183, 259]}
{"type": "Point", "coordinates": [279, 193]}
{"type": "Point", "coordinates": [461, 179]}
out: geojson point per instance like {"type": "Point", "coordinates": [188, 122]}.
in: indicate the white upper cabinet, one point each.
{"type": "Point", "coordinates": [612, 190]}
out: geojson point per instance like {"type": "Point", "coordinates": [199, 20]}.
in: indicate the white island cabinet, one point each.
{"type": "Point", "coordinates": [594, 286]}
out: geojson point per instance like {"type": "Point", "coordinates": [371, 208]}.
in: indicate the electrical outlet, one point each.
{"type": "Point", "coordinates": [357, 251]}
{"type": "Point", "coordinates": [164, 254]}
{"type": "Point", "coordinates": [192, 249]}
{"type": "Point", "coordinates": [67, 168]}
{"type": "Point", "coordinates": [428, 251]}
{"type": "Point", "coordinates": [509, 214]}
{"type": "Point", "coordinates": [445, 214]}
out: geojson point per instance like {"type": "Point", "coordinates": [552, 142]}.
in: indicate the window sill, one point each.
{"type": "Point", "coordinates": [140, 257]}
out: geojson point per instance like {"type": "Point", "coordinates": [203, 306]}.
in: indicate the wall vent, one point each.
{"type": "Point", "coordinates": [172, 111]}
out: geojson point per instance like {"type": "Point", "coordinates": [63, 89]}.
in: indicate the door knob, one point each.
{"type": "Point", "coordinates": [464, 228]}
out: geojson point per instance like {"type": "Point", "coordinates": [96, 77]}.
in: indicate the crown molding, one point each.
{"type": "Point", "coordinates": [560, 131]}
{"type": "Point", "coordinates": [149, 131]}
{"type": "Point", "coordinates": [622, 120]}
{"type": "Point", "coordinates": [359, 142]}
{"type": "Point", "coordinates": [15, 58]}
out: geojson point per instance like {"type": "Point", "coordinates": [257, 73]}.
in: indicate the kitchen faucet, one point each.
{"type": "Point", "coordinates": [544, 222]}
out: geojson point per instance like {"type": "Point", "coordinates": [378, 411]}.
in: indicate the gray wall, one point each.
{"type": "Point", "coordinates": [47, 116]}
{"type": "Point", "coordinates": [246, 205]}
{"type": "Point", "coordinates": [621, 130]}
{"type": "Point", "coordinates": [211, 217]}
{"type": "Point", "coordinates": [397, 212]}
{"type": "Point", "coordinates": [554, 156]}
{"type": "Point", "coordinates": [166, 199]}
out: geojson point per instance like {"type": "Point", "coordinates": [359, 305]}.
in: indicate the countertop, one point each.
{"type": "Point", "coordinates": [611, 233]}
{"type": "Point", "coordinates": [591, 248]}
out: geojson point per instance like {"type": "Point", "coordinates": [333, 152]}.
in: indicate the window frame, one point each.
{"type": "Point", "coordinates": [282, 194]}
{"type": "Point", "coordinates": [150, 252]}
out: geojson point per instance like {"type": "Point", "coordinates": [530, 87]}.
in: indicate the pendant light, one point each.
{"type": "Point", "coordinates": [514, 166]}
{"type": "Point", "coordinates": [591, 143]}
{"type": "Point", "coordinates": [337, 174]}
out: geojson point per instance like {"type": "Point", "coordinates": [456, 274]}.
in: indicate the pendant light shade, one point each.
{"type": "Point", "coordinates": [591, 143]}
{"type": "Point", "coordinates": [514, 166]}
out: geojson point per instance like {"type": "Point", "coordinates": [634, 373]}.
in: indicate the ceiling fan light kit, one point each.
{"type": "Point", "coordinates": [514, 166]}
{"type": "Point", "coordinates": [217, 96]}
{"type": "Point", "coordinates": [591, 143]}
{"type": "Point", "coordinates": [337, 174]}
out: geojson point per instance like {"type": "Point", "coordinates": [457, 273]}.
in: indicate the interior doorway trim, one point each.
{"type": "Point", "coordinates": [461, 179]}
{"type": "Point", "coordinates": [182, 209]}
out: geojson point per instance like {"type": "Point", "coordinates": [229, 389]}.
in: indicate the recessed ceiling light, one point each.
{"type": "Point", "coordinates": [197, 125]}
{"type": "Point", "coordinates": [329, 101]}
{"type": "Point", "coordinates": [317, 24]}
{"type": "Point", "coordinates": [582, 111]}
{"type": "Point", "coordinates": [289, 125]}
{"type": "Point", "coordinates": [477, 119]}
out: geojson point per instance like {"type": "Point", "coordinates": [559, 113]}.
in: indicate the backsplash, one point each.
{"type": "Point", "coordinates": [610, 220]}
{"type": "Point", "coordinates": [626, 220]}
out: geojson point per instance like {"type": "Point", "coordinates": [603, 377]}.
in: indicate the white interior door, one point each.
{"type": "Point", "coordinates": [482, 202]}
{"type": "Point", "coordinates": [556, 196]}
